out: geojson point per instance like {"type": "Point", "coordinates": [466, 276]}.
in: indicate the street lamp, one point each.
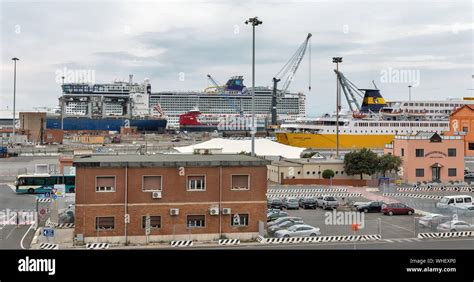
{"type": "Point", "coordinates": [337, 60]}
{"type": "Point", "coordinates": [14, 97]}
{"type": "Point", "coordinates": [409, 93]}
{"type": "Point", "coordinates": [62, 104]}
{"type": "Point", "coordinates": [254, 22]}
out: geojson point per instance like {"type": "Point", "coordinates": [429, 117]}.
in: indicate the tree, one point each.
{"type": "Point", "coordinates": [360, 162]}
{"type": "Point", "coordinates": [389, 163]}
{"type": "Point", "coordinates": [328, 173]}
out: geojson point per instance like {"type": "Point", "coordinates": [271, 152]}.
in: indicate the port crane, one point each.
{"type": "Point", "coordinates": [287, 74]}
{"type": "Point", "coordinates": [350, 91]}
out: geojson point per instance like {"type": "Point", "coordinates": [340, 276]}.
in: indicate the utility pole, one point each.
{"type": "Point", "coordinates": [14, 98]}
{"type": "Point", "coordinates": [254, 22]}
{"type": "Point", "coordinates": [337, 60]}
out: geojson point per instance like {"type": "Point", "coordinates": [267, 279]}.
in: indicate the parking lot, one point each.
{"type": "Point", "coordinates": [389, 227]}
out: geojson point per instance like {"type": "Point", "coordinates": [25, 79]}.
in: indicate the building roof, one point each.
{"type": "Point", "coordinates": [470, 106]}
{"type": "Point", "coordinates": [167, 160]}
{"type": "Point", "coordinates": [263, 147]}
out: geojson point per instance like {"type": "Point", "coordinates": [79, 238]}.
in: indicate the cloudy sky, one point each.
{"type": "Point", "coordinates": [432, 40]}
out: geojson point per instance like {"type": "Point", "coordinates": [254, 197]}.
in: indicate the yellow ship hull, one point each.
{"type": "Point", "coordinates": [328, 141]}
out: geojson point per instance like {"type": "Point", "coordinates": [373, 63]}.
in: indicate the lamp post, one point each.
{"type": "Point", "coordinates": [254, 22]}
{"type": "Point", "coordinates": [62, 104]}
{"type": "Point", "coordinates": [14, 97]}
{"type": "Point", "coordinates": [337, 60]}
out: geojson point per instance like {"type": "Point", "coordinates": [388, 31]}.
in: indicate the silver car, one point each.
{"type": "Point", "coordinates": [284, 225]}
{"type": "Point", "coordinates": [433, 219]}
{"type": "Point", "coordinates": [282, 219]}
{"type": "Point", "coordinates": [455, 225]}
{"type": "Point", "coordinates": [291, 203]}
{"type": "Point", "coordinates": [298, 230]}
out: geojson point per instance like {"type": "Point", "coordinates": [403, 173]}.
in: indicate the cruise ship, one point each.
{"type": "Point", "coordinates": [106, 107]}
{"type": "Point", "coordinates": [230, 100]}
{"type": "Point", "coordinates": [373, 126]}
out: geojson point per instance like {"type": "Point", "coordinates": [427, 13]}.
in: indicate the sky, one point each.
{"type": "Point", "coordinates": [175, 44]}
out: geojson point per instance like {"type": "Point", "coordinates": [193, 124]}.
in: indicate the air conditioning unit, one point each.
{"type": "Point", "coordinates": [226, 211]}
{"type": "Point", "coordinates": [214, 211]}
{"type": "Point", "coordinates": [156, 195]}
{"type": "Point", "coordinates": [174, 211]}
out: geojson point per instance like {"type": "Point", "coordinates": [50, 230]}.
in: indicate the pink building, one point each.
{"type": "Point", "coordinates": [429, 157]}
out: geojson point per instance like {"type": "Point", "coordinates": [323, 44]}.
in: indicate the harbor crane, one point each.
{"type": "Point", "coordinates": [287, 74]}
{"type": "Point", "coordinates": [350, 91]}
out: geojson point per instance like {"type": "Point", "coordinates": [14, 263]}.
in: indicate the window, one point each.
{"type": "Point", "coordinates": [196, 221]}
{"type": "Point", "coordinates": [240, 182]}
{"type": "Point", "coordinates": [464, 128]}
{"type": "Point", "coordinates": [471, 146]}
{"type": "Point", "coordinates": [420, 172]}
{"type": "Point", "coordinates": [240, 220]}
{"type": "Point", "coordinates": [451, 152]}
{"type": "Point", "coordinates": [105, 223]}
{"type": "Point", "coordinates": [420, 153]}
{"type": "Point", "coordinates": [196, 183]}
{"type": "Point", "coordinates": [151, 183]}
{"type": "Point", "coordinates": [38, 181]}
{"type": "Point", "coordinates": [105, 184]}
{"type": "Point", "coordinates": [459, 200]}
{"type": "Point", "coordinates": [451, 172]}
{"type": "Point", "coordinates": [467, 200]}
{"type": "Point", "coordinates": [155, 222]}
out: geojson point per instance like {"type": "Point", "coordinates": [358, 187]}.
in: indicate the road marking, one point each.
{"type": "Point", "coordinates": [23, 238]}
{"type": "Point", "coordinates": [397, 226]}
{"type": "Point", "coordinates": [10, 233]}
{"type": "Point", "coordinates": [12, 187]}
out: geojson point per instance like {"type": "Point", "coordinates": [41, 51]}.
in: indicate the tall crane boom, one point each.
{"type": "Point", "coordinates": [287, 74]}
{"type": "Point", "coordinates": [349, 89]}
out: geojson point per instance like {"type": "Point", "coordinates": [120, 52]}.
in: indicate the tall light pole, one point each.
{"type": "Point", "coordinates": [14, 97]}
{"type": "Point", "coordinates": [409, 93]}
{"type": "Point", "coordinates": [337, 60]}
{"type": "Point", "coordinates": [254, 22]}
{"type": "Point", "coordinates": [62, 103]}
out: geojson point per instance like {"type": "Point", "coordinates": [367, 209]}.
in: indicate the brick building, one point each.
{"type": "Point", "coordinates": [180, 196]}
{"type": "Point", "coordinates": [461, 123]}
{"type": "Point", "coordinates": [429, 157]}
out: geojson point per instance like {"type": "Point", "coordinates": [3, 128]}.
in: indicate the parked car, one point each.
{"type": "Point", "coordinates": [284, 225]}
{"type": "Point", "coordinates": [298, 230]}
{"type": "Point", "coordinates": [466, 211]}
{"type": "Point", "coordinates": [457, 201]}
{"type": "Point", "coordinates": [357, 204]}
{"type": "Point", "coordinates": [370, 207]}
{"type": "Point", "coordinates": [275, 204]}
{"type": "Point", "coordinates": [432, 220]}
{"type": "Point", "coordinates": [276, 215]}
{"type": "Point", "coordinates": [329, 202]}
{"type": "Point", "coordinates": [291, 203]}
{"type": "Point", "coordinates": [282, 219]}
{"type": "Point", "coordinates": [397, 208]}
{"type": "Point", "coordinates": [319, 201]}
{"type": "Point", "coordinates": [272, 210]}
{"type": "Point", "coordinates": [308, 203]}
{"type": "Point", "coordinates": [66, 216]}
{"type": "Point", "coordinates": [455, 225]}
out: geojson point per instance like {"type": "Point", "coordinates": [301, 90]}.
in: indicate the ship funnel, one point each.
{"type": "Point", "coordinates": [373, 101]}
{"type": "Point", "coordinates": [130, 79]}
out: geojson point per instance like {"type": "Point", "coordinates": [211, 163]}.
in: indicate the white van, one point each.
{"type": "Point", "coordinates": [458, 201]}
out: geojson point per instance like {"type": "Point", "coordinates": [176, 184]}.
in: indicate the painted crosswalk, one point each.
{"type": "Point", "coordinates": [407, 195]}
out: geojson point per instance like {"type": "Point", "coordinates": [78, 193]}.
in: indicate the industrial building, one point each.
{"type": "Point", "coordinates": [154, 198]}
{"type": "Point", "coordinates": [462, 124]}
